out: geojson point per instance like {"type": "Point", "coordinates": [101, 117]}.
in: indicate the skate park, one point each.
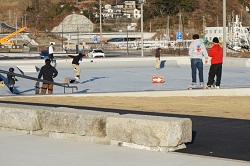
{"type": "Point", "coordinates": [133, 77]}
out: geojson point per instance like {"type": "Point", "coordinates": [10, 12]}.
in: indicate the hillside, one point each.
{"type": "Point", "coordinates": [45, 14]}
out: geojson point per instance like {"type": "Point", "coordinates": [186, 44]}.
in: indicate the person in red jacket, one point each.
{"type": "Point", "coordinates": [216, 54]}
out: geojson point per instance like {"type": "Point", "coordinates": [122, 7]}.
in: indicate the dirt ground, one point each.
{"type": "Point", "coordinates": [228, 107]}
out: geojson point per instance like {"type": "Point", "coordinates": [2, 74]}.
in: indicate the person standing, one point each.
{"type": "Point", "coordinates": [11, 80]}
{"type": "Point", "coordinates": [158, 58]}
{"type": "Point", "coordinates": [216, 54]}
{"type": "Point", "coordinates": [51, 52]}
{"type": "Point", "coordinates": [196, 52]}
{"type": "Point", "coordinates": [75, 64]}
{"type": "Point", "coordinates": [48, 72]}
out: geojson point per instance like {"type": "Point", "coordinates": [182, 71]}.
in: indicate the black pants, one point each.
{"type": "Point", "coordinates": [215, 70]}
{"type": "Point", "coordinates": [51, 57]}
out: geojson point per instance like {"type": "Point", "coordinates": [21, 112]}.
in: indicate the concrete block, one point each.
{"type": "Point", "coordinates": [20, 119]}
{"type": "Point", "coordinates": [150, 131]}
{"type": "Point", "coordinates": [80, 122]}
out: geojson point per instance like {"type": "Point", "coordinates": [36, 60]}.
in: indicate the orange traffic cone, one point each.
{"type": "Point", "coordinates": [157, 79]}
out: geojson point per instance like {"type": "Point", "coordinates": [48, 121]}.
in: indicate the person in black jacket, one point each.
{"type": "Point", "coordinates": [75, 64]}
{"type": "Point", "coordinates": [48, 72]}
{"type": "Point", "coordinates": [11, 79]}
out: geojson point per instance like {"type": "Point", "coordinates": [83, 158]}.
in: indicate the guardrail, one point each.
{"type": "Point", "coordinates": [64, 85]}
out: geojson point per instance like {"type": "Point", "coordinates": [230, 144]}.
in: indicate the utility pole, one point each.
{"type": "Point", "coordinates": [167, 31]}
{"type": "Point", "coordinates": [16, 29]}
{"type": "Point", "coordinates": [127, 30]}
{"type": "Point", "coordinates": [203, 25]}
{"type": "Point", "coordinates": [150, 26]}
{"type": "Point", "coordinates": [100, 5]}
{"type": "Point", "coordinates": [25, 15]}
{"type": "Point", "coordinates": [62, 35]}
{"type": "Point", "coordinates": [224, 29]}
{"type": "Point", "coordinates": [180, 22]}
{"type": "Point", "coordinates": [142, 46]}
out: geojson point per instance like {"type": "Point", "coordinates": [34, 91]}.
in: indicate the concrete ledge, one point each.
{"type": "Point", "coordinates": [149, 131]}
{"type": "Point", "coordinates": [19, 119]}
{"type": "Point", "coordinates": [143, 132]}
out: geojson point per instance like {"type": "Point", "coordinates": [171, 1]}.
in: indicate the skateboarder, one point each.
{"type": "Point", "coordinates": [11, 80]}
{"type": "Point", "coordinates": [48, 72]}
{"type": "Point", "coordinates": [216, 53]}
{"type": "Point", "coordinates": [196, 52]}
{"type": "Point", "coordinates": [75, 64]}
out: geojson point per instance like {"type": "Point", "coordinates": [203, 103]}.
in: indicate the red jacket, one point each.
{"type": "Point", "coordinates": [216, 53]}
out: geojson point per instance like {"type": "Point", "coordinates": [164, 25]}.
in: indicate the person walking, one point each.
{"type": "Point", "coordinates": [51, 52]}
{"type": "Point", "coordinates": [11, 80]}
{"type": "Point", "coordinates": [48, 72]}
{"type": "Point", "coordinates": [75, 64]}
{"type": "Point", "coordinates": [216, 54]}
{"type": "Point", "coordinates": [196, 52]}
{"type": "Point", "coordinates": [158, 58]}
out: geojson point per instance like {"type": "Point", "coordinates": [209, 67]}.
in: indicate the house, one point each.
{"type": "Point", "coordinates": [129, 5]}
{"type": "Point", "coordinates": [137, 13]}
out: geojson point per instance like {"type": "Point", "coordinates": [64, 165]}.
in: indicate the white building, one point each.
{"type": "Point", "coordinates": [137, 13]}
{"type": "Point", "coordinates": [211, 32]}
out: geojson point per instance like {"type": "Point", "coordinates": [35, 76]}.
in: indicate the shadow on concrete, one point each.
{"type": "Point", "coordinates": [212, 136]}
{"type": "Point", "coordinates": [162, 64]}
{"type": "Point", "coordinates": [92, 79]}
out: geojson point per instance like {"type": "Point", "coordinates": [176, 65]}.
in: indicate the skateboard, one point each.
{"type": "Point", "coordinates": [37, 88]}
{"type": "Point", "coordinates": [196, 87]}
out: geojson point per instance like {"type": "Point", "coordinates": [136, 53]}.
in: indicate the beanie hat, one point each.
{"type": "Point", "coordinates": [215, 40]}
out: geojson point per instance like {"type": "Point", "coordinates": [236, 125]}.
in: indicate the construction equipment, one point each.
{"type": "Point", "coordinates": [103, 38]}
{"type": "Point", "coordinates": [6, 39]}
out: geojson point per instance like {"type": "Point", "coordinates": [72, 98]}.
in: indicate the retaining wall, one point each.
{"type": "Point", "coordinates": [137, 131]}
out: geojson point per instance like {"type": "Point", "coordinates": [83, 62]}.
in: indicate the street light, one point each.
{"type": "Point", "coordinates": [141, 2]}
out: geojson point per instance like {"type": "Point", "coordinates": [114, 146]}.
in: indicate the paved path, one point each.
{"type": "Point", "coordinates": [17, 149]}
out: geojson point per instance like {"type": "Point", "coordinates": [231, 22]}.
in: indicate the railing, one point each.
{"type": "Point", "coordinates": [64, 85]}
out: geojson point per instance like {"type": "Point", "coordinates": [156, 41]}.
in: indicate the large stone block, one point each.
{"type": "Point", "coordinates": [20, 119]}
{"type": "Point", "coordinates": [73, 121]}
{"type": "Point", "coordinates": [150, 131]}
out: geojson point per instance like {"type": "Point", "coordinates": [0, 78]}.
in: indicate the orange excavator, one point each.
{"type": "Point", "coordinates": [6, 39]}
{"type": "Point", "coordinates": [103, 38]}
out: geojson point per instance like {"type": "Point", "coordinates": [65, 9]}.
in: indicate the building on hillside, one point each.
{"type": "Point", "coordinates": [129, 5]}
{"type": "Point", "coordinates": [137, 13]}
{"type": "Point", "coordinates": [107, 6]}
{"type": "Point", "coordinates": [211, 32]}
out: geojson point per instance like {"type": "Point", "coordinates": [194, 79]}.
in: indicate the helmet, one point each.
{"type": "Point", "coordinates": [11, 69]}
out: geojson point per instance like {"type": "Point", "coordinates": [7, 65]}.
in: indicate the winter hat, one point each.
{"type": "Point", "coordinates": [215, 40]}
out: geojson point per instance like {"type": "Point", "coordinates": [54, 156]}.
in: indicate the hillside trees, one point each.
{"type": "Point", "coordinates": [156, 12]}
{"type": "Point", "coordinates": [169, 7]}
{"type": "Point", "coordinates": [46, 14]}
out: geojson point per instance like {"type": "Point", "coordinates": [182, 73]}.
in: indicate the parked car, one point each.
{"type": "Point", "coordinates": [96, 53]}
{"type": "Point", "coordinates": [44, 54]}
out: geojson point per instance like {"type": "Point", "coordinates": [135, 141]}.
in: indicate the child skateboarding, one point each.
{"type": "Point", "coordinates": [11, 80]}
